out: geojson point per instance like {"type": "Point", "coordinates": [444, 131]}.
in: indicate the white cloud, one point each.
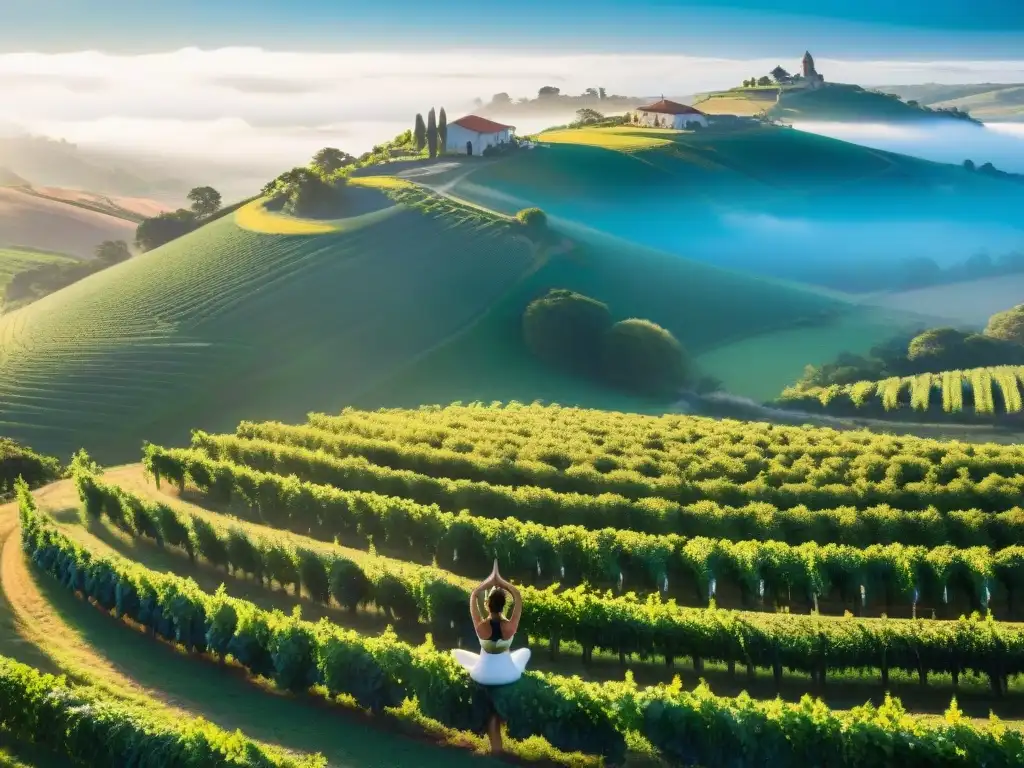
{"type": "Point", "coordinates": [239, 103]}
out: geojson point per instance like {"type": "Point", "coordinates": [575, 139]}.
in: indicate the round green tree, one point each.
{"type": "Point", "coordinates": [567, 329]}
{"type": "Point", "coordinates": [644, 357]}
{"type": "Point", "coordinates": [939, 344]}
{"type": "Point", "coordinates": [534, 221]}
{"type": "Point", "coordinates": [1008, 325]}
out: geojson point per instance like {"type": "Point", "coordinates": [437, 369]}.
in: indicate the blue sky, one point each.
{"type": "Point", "coordinates": [896, 29]}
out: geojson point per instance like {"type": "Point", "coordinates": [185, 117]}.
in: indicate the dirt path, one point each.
{"type": "Point", "coordinates": [38, 632]}
{"type": "Point", "coordinates": [55, 631]}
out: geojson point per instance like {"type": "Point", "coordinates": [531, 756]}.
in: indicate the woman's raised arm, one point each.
{"type": "Point", "coordinates": [517, 599]}
{"type": "Point", "coordinates": [474, 596]}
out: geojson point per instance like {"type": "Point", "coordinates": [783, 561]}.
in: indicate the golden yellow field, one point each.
{"type": "Point", "coordinates": [381, 182]}
{"type": "Point", "coordinates": [255, 217]}
{"type": "Point", "coordinates": [622, 138]}
{"type": "Point", "coordinates": [742, 105]}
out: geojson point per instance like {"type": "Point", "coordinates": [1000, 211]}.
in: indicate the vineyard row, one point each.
{"type": "Point", "coordinates": [687, 728]}
{"type": "Point", "coordinates": [623, 625]}
{"type": "Point", "coordinates": [993, 390]}
{"type": "Point", "coordinates": [893, 574]}
{"type": "Point", "coordinates": [906, 486]}
{"type": "Point", "coordinates": [754, 520]}
{"type": "Point", "coordinates": [531, 433]}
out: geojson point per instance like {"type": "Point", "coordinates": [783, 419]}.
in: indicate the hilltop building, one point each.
{"type": "Point", "coordinates": [471, 135]}
{"type": "Point", "coordinates": [811, 78]}
{"type": "Point", "coordinates": [669, 114]}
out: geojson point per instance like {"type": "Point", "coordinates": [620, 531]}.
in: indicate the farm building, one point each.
{"type": "Point", "coordinates": [471, 135]}
{"type": "Point", "coordinates": [669, 114]}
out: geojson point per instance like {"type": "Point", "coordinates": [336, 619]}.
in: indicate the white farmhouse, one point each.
{"type": "Point", "coordinates": [669, 114]}
{"type": "Point", "coordinates": [471, 135]}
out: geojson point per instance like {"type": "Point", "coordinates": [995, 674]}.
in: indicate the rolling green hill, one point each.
{"type": "Point", "coordinates": [834, 102]}
{"type": "Point", "coordinates": [226, 321]}
{"type": "Point", "coordinates": [706, 308]}
{"type": "Point", "coordinates": [840, 102]}
{"type": "Point", "coordinates": [691, 201]}
{"type": "Point", "coordinates": [266, 314]}
{"type": "Point", "coordinates": [629, 167]}
{"type": "Point", "coordinates": [417, 295]}
{"type": "Point", "coordinates": [990, 102]}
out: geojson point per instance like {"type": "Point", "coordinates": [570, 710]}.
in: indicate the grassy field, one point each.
{"type": "Point", "coordinates": [225, 321]}
{"type": "Point", "coordinates": [965, 304]}
{"type": "Point", "coordinates": [745, 103]}
{"type": "Point", "coordinates": [759, 367]}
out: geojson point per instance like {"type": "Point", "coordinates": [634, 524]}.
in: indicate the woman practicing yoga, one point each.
{"type": "Point", "coordinates": [495, 665]}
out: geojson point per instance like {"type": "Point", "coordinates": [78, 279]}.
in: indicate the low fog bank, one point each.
{"type": "Point", "coordinates": [246, 114]}
{"type": "Point", "coordinates": [940, 140]}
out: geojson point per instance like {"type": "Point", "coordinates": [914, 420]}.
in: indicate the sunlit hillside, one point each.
{"type": "Point", "coordinates": [227, 321]}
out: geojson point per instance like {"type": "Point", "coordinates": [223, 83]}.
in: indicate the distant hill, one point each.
{"type": "Point", "coordinates": [30, 219]}
{"type": "Point", "coordinates": [131, 208]}
{"type": "Point", "coordinates": [990, 102]}
{"type": "Point", "coordinates": [835, 102]}
{"type": "Point", "coordinates": [9, 178]}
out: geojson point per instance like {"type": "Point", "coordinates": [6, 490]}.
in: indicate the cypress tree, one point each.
{"type": "Point", "coordinates": [442, 130]}
{"type": "Point", "coordinates": [432, 132]}
{"type": "Point", "coordinates": [420, 132]}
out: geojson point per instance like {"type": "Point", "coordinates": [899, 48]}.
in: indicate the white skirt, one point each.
{"type": "Point", "coordinates": [494, 668]}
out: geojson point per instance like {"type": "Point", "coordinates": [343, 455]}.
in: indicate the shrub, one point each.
{"type": "Point", "coordinates": [306, 192]}
{"type": "Point", "coordinates": [161, 229]}
{"type": "Point", "coordinates": [567, 329]}
{"type": "Point", "coordinates": [534, 220]}
{"type": "Point", "coordinates": [18, 461]}
{"type": "Point", "coordinates": [1008, 325]}
{"type": "Point", "coordinates": [644, 357]}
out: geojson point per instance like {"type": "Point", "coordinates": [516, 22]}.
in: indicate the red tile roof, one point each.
{"type": "Point", "coordinates": [666, 107]}
{"type": "Point", "coordinates": [481, 124]}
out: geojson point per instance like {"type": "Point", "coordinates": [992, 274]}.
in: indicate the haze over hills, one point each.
{"type": "Point", "coordinates": [416, 296]}
{"type": "Point", "coordinates": [54, 224]}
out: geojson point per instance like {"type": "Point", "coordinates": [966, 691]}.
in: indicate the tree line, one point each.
{"type": "Point", "coordinates": [432, 134]}
{"type": "Point", "coordinates": [165, 227]}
